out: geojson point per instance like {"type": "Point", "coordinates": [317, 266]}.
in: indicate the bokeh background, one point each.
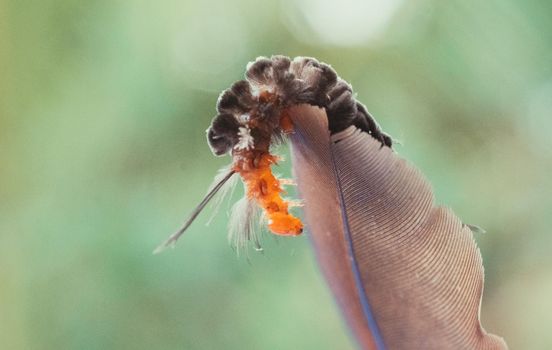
{"type": "Point", "coordinates": [103, 108]}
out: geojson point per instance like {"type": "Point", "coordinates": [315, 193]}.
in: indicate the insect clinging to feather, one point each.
{"type": "Point", "coordinates": [253, 116]}
{"type": "Point", "coordinates": [405, 272]}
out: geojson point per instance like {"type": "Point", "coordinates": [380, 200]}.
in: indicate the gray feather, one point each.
{"type": "Point", "coordinates": [407, 274]}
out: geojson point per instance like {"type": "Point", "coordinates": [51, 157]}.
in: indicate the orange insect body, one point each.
{"type": "Point", "coordinates": [285, 122]}
{"type": "Point", "coordinates": [254, 167]}
{"type": "Point", "coordinates": [266, 189]}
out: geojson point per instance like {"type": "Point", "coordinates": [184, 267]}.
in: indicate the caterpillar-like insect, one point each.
{"type": "Point", "coordinates": [253, 115]}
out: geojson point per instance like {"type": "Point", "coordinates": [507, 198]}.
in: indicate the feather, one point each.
{"type": "Point", "coordinates": [406, 274]}
{"type": "Point", "coordinates": [224, 193]}
{"type": "Point", "coordinates": [222, 184]}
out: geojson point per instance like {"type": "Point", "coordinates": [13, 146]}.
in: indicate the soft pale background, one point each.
{"type": "Point", "coordinates": [103, 107]}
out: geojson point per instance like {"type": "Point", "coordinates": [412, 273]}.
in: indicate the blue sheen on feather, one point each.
{"type": "Point", "coordinates": [366, 309]}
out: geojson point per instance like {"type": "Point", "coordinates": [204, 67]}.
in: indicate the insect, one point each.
{"type": "Point", "coordinates": [253, 117]}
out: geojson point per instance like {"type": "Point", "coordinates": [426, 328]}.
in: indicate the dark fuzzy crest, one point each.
{"type": "Point", "coordinates": [222, 135]}
{"type": "Point", "coordinates": [293, 82]}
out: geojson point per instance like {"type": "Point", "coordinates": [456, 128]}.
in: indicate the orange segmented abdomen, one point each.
{"type": "Point", "coordinates": [265, 189]}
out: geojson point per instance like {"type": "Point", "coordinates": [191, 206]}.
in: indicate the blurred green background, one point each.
{"type": "Point", "coordinates": [103, 107]}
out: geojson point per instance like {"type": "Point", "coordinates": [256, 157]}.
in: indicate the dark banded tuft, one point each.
{"type": "Point", "coordinates": [303, 80]}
